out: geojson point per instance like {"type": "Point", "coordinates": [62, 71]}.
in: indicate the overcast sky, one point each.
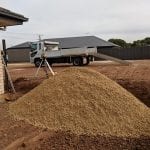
{"type": "Point", "coordinates": [126, 19]}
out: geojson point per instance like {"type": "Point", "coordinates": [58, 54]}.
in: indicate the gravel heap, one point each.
{"type": "Point", "coordinates": [83, 101]}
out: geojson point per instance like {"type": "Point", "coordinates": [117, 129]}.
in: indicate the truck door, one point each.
{"type": "Point", "coordinates": [34, 51]}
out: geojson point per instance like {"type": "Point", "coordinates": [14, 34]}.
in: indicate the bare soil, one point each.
{"type": "Point", "coordinates": [48, 140]}
{"type": "Point", "coordinates": [20, 135]}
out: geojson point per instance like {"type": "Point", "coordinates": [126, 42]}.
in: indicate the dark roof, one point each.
{"type": "Point", "coordinates": [73, 42]}
{"type": "Point", "coordinates": [84, 41]}
{"type": "Point", "coordinates": [21, 46]}
{"type": "Point", "coordinates": [10, 14]}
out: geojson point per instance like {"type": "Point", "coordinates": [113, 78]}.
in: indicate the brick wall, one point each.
{"type": "Point", "coordinates": [1, 77]}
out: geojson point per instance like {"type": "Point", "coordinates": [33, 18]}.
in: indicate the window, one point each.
{"type": "Point", "coordinates": [39, 45]}
{"type": "Point", "coordinates": [34, 47]}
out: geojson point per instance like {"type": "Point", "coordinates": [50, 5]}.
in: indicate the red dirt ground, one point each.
{"type": "Point", "coordinates": [20, 135]}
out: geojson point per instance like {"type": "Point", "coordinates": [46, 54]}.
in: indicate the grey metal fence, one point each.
{"type": "Point", "coordinates": [137, 53]}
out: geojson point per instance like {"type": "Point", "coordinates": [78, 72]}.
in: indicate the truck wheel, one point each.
{"type": "Point", "coordinates": [37, 62]}
{"type": "Point", "coordinates": [77, 61]}
{"type": "Point", "coordinates": [49, 62]}
{"type": "Point", "coordinates": [87, 61]}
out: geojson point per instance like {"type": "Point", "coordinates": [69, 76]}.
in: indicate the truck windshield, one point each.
{"type": "Point", "coordinates": [33, 47]}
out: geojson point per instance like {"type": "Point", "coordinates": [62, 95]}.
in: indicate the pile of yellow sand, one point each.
{"type": "Point", "coordinates": [84, 102]}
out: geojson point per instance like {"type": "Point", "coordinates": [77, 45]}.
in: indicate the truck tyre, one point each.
{"type": "Point", "coordinates": [50, 63]}
{"type": "Point", "coordinates": [37, 62]}
{"type": "Point", "coordinates": [87, 61]}
{"type": "Point", "coordinates": [77, 61]}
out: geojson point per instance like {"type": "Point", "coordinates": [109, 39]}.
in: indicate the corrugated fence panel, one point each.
{"type": "Point", "coordinates": [127, 53]}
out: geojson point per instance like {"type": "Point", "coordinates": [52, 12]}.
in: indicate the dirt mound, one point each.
{"type": "Point", "coordinates": [84, 102]}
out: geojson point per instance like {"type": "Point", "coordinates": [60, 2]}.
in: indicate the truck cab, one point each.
{"type": "Point", "coordinates": [40, 49]}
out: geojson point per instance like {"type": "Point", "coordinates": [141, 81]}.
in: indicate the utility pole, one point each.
{"type": "Point", "coordinates": [39, 37]}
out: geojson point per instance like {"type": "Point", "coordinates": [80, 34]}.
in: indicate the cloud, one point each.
{"type": "Point", "coordinates": [58, 18]}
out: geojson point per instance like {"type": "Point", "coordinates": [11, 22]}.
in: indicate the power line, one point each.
{"type": "Point", "coordinates": [17, 37]}
{"type": "Point", "coordinates": [23, 36]}
{"type": "Point", "coordinates": [28, 34]}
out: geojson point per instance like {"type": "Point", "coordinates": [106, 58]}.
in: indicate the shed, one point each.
{"type": "Point", "coordinates": [19, 53]}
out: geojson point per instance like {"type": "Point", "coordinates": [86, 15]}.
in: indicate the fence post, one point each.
{"type": "Point", "coordinates": [6, 83]}
{"type": "Point", "coordinates": [1, 76]}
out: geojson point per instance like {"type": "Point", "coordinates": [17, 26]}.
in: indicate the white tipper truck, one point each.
{"type": "Point", "coordinates": [51, 51]}
{"type": "Point", "coordinates": [76, 56]}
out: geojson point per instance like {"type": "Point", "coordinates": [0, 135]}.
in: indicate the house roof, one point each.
{"type": "Point", "coordinates": [21, 46]}
{"type": "Point", "coordinates": [8, 18]}
{"type": "Point", "coordinates": [83, 41]}
{"type": "Point", "coordinates": [73, 42]}
{"type": "Point", "coordinates": [11, 14]}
